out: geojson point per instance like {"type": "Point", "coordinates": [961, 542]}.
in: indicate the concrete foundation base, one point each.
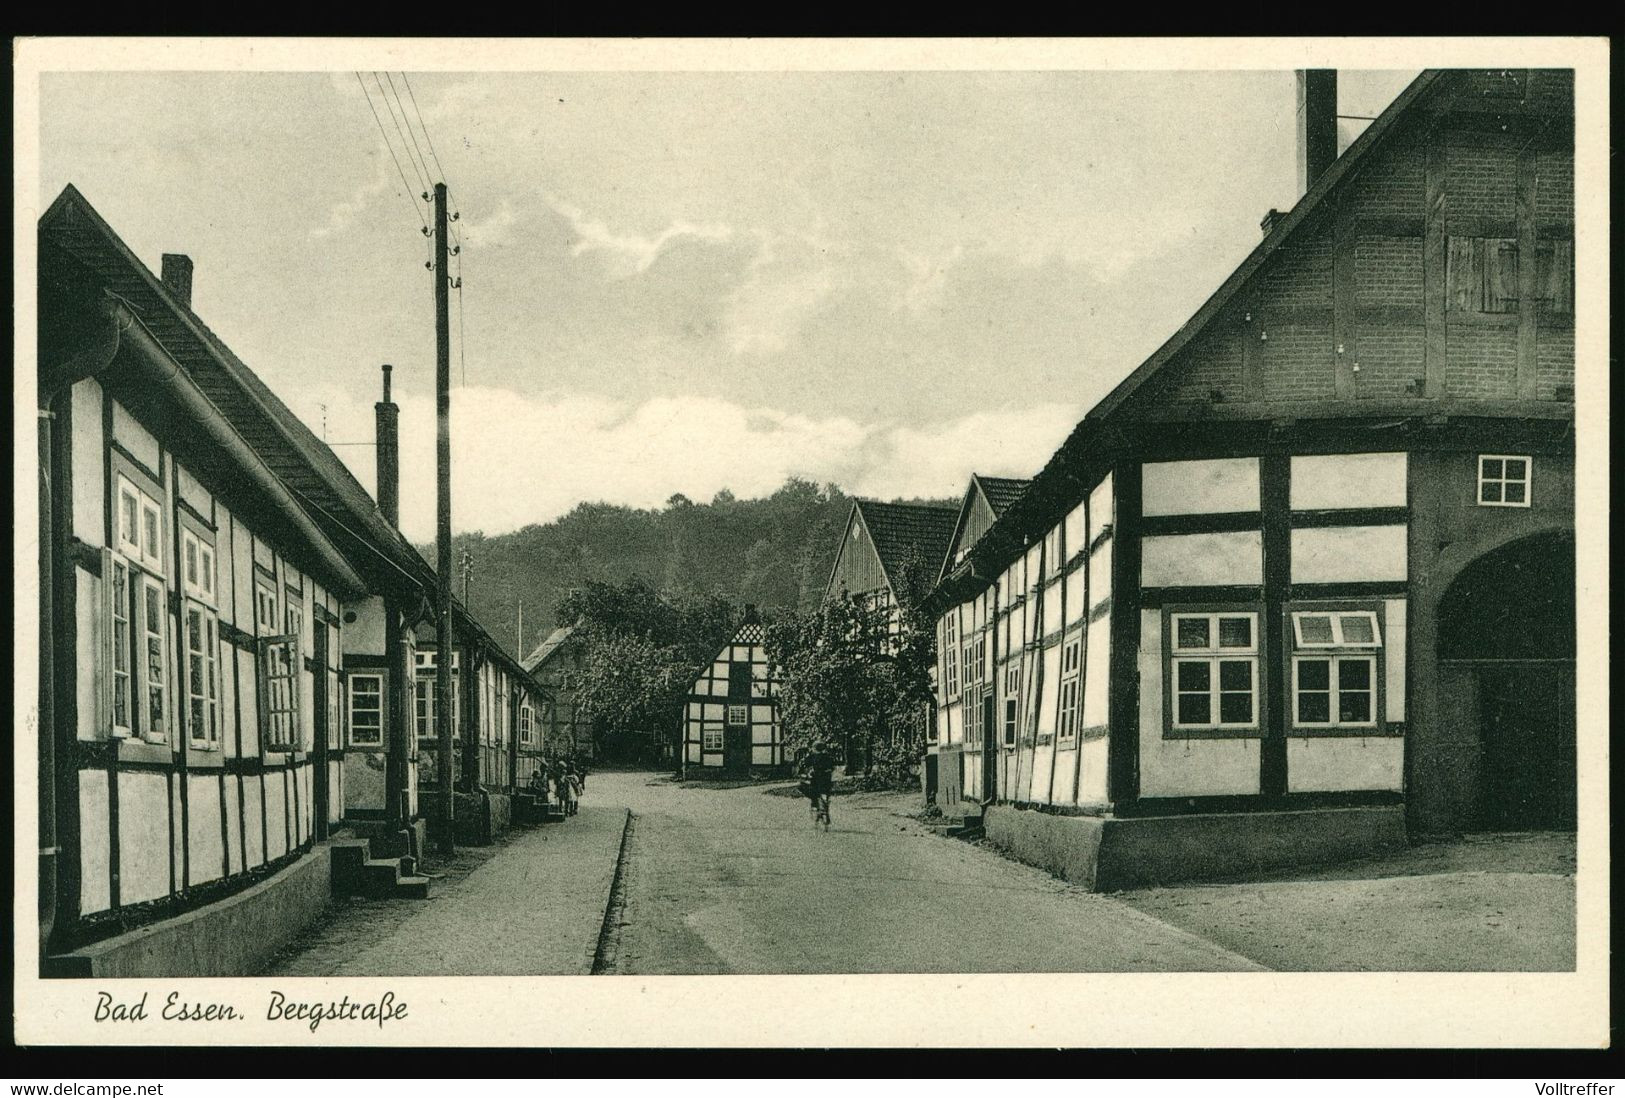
{"type": "Point", "coordinates": [1108, 853]}
{"type": "Point", "coordinates": [481, 817]}
{"type": "Point", "coordinates": [234, 937]}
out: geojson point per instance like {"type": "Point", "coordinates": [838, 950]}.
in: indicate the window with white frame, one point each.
{"type": "Point", "coordinates": [525, 718]}
{"type": "Point", "coordinates": [950, 650]}
{"type": "Point", "coordinates": [155, 661]}
{"type": "Point", "coordinates": [738, 715]}
{"type": "Point", "coordinates": [1504, 480]}
{"type": "Point", "coordinates": [1213, 666]}
{"type": "Point", "coordinates": [366, 710]}
{"type": "Point", "coordinates": [202, 676]}
{"type": "Point", "coordinates": [423, 700]}
{"type": "Point", "coordinates": [137, 684]}
{"type": "Point", "coordinates": [197, 567]}
{"type": "Point", "coordinates": [122, 615]}
{"type": "Point", "coordinates": [279, 693]}
{"type": "Point", "coordinates": [1012, 703]}
{"type": "Point", "coordinates": [1335, 664]}
{"type": "Point", "coordinates": [1071, 667]}
{"type": "Point", "coordinates": [265, 608]}
{"type": "Point", "coordinates": [711, 736]}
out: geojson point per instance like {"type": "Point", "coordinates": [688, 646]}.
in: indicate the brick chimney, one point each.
{"type": "Point", "coordinates": [177, 275]}
{"type": "Point", "coordinates": [1317, 124]}
{"type": "Point", "coordinates": [389, 454]}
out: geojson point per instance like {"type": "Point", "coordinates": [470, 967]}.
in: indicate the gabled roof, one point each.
{"type": "Point", "coordinates": [1001, 492]}
{"type": "Point", "coordinates": [551, 644]}
{"type": "Point", "coordinates": [1056, 486]}
{"type": "Point", "coordinates": [899, 532]}
{"type": "Point", "coordinates": [996, 493]}
{"type": "Point", "coordinates": [307, 466]}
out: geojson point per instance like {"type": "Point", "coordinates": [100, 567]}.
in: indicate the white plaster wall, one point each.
{"type": "Point", "coordinates": [1341, 554]}
{"type": "Point", "coordinates": [205, 846]}
{"type": "Point", "coordinates": [1321, 764]}
{"type": "Point", "coordinates": [1100, 574]}
{"type": "Point", "coordinates": [143, 832]}
{"type": "Point", "coordinates": [1065, 782]}
{"type": "Point", "coordinates": [1196, 560]}
{"type": "Point", "coordinates": [248, 699]}
{"type": "Point", "coordinates": [1096, 664]}
{"type": "Point", "coordinates": [89, 476]}
{"type": "Point", "coordinates": [192, 492]}
{"type": "Point", "coordinates": [1184, 768]}
{"type": "Point", "coordinates": [177, 834]}
{"type": "Point", "coordinates": [242, 575]}
{"type": "Point", "coordinates": [94, 862]}
{"type": "Point", "coordinates": [1092, 772]}
{"type": "Point", "coordinates": [1329, 481]}
{"type": "Point", "coordinates": [1101, 502]}
{"type": "Point", "coordinates": [1215, 486]}
{"type": "Point", "coordinates": [234, 830]}
{"type": "Point", "coordinates": [1043, 761]}
{"type": "Point", "coordinates": [1047, 701]}
{"type": "Point", "coordinates": [1394, 641]}
{"type": "Point", "coordinates": [136, 439]}
{"type": "Point", "coordinates": [90, 670]}
{"type": "Point", "coordinates": [276, 816]}
{"type": "Point", "coordinates": [253, 821]}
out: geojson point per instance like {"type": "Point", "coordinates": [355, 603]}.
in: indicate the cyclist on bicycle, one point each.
{"type": "Point", "coordinates": [819, 780]}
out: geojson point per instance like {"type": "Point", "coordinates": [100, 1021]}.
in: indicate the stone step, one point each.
{"type": "Point", "coordinates": [413, 888]}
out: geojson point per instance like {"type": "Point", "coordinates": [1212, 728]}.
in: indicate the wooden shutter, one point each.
{"type": "Point", "coordinates": [1464, 277]}
{"type": "Point", "coordinates": [1500, 276]}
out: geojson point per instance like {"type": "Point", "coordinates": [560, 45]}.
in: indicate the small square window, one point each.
{"type": "Point", "coordinates": [1504, 481]}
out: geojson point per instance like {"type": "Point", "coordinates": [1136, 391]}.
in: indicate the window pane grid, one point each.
{"type": "Point", "coordinates": [1504, 480]}
{"type": "Point", "coordinates": [366, 710]}
{"type": "Point", "coordinates": [1214, 670]}
{"type": "Point", "coordinates": [1334, 691]}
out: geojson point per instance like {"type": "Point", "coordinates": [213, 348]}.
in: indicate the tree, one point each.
{"type": "Point", "coordinates": [640, 651]}
{"type": "Point", "coordinates": [852, 683]}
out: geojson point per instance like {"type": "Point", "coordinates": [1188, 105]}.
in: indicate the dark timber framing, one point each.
{"type": "Point", "coordinates": [1275, 488]}
{"type": "Point", "coordinates": [1123, 746]}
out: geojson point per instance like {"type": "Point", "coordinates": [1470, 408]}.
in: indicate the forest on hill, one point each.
{"type": "Point", "coordinates": [775, 552]}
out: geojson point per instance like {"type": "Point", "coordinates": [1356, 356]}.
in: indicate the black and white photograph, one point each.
{"type": "Point", "coordinates": [997, 523]}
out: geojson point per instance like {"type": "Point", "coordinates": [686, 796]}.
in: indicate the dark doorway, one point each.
{"type": "Point", "coordinates": [990, 750]}
{"type": "Point", "coordinates": [1508, 620]}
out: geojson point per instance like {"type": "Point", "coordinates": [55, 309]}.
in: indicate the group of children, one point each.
{"type": "Point", "coordinates": [565, 778]}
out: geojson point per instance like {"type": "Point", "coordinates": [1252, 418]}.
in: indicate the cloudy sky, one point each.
{"type": "Point", "coordinates": [680, 282]}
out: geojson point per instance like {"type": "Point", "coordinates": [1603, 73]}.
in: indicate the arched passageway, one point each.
{"type": "Point", "coordinates": [1506, 626]}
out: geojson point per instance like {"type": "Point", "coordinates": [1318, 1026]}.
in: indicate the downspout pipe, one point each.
{"type": "Point", "coordinates": [110, 319]}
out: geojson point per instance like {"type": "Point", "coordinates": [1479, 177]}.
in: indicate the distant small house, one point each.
{"type": "Point", "coordinates": [731, 723]}
{"type": "Point", "coordinates": [556, 664]}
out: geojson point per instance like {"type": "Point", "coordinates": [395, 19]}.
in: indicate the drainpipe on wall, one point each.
{"type": "Point", "coordinates": [111, 319]}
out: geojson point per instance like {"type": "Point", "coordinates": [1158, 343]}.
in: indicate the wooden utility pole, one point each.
{"type": "Point", "coordinates": [445, 809]}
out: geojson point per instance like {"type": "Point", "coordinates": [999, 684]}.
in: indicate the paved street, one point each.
{"type": "Point", "coordinates": [721, 880]}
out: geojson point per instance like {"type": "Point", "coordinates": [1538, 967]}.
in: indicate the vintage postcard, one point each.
{"type": "Point", "coordinates": [758, 543]}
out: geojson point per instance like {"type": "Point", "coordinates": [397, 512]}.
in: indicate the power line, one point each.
{"type": "Point", "coordinates": [422, 179]}
{"type": "Point", "coordinates": [417, 210]}
{"type": "Point", "coordinates": [409, 129]}
{"type": "Point", "coordinates": [427, 137]}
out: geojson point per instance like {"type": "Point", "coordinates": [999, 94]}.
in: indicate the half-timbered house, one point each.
{"type": "Point", "coordinates": [1306, 575]}
{"type": "Point", "coordinates": [556, 664]}
{"type": "Point", "coordinates": [201, 549]}
{"type": "Point", "coordinates": [731, 716]}
{"type": "Point", "coordinates": [890, 554]}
